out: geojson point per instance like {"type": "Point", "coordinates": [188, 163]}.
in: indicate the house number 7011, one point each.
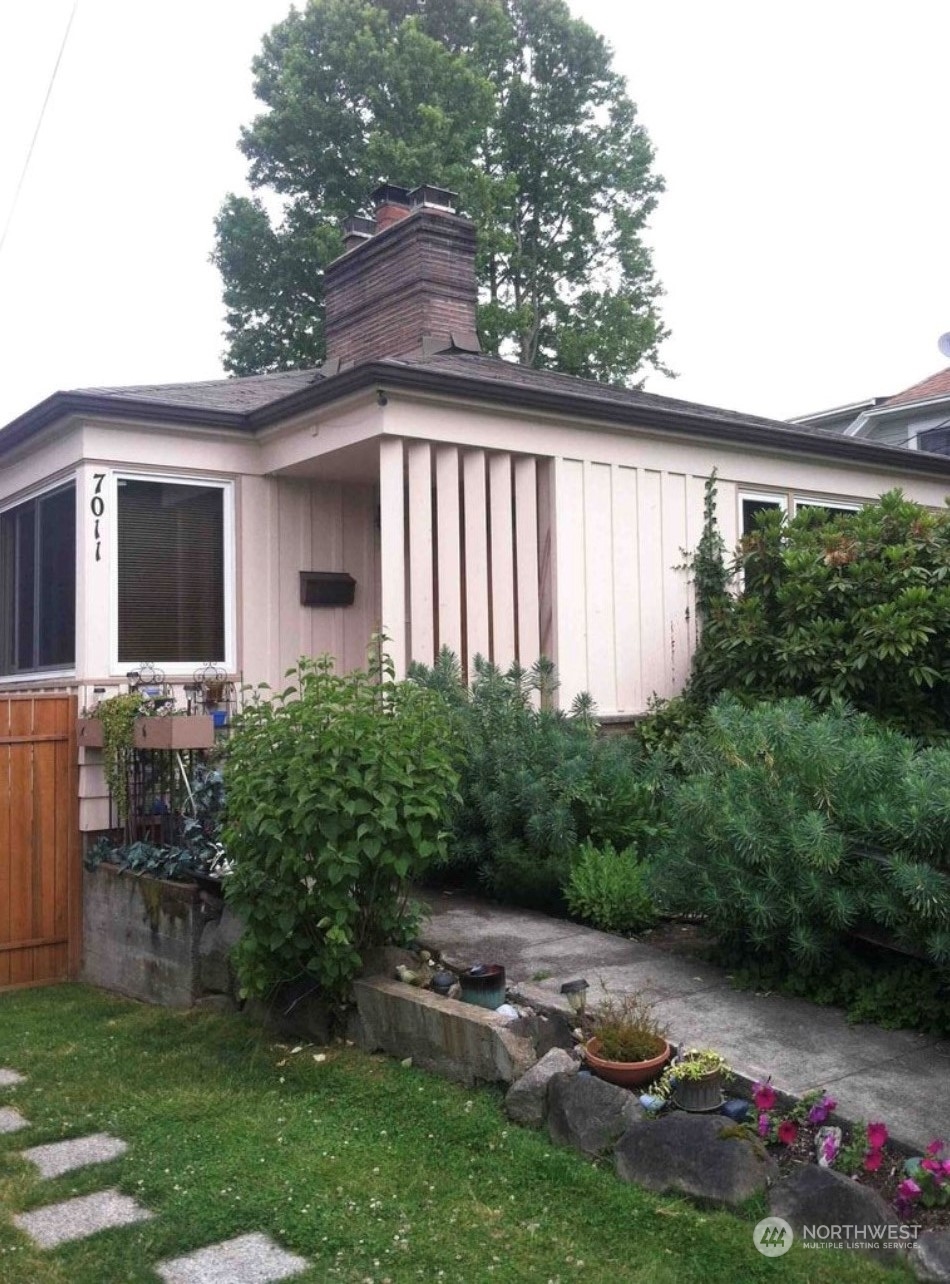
{"type": "Point", "coordinates": [97, 506]}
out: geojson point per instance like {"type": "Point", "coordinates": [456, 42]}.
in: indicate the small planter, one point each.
{"type": "Point", "coordinates": [193, 732]}
{"type": "Point", "coordinates": [484, 986]}
{"type": "Point", "coordinates": [699, 1095]}
{"type": "Point", "coordinates": [89, 733]}
{"type": "Point", "coordinates": [625, 1074]}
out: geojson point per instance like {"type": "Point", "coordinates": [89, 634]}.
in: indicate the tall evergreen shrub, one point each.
{"type": "Point", "coordinates": [534, 781]}
{"type": "Point", "coordinates": [793, 827]}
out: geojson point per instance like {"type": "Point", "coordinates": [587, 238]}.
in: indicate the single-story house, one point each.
{"type": "Point", "coordinates": [456, 498]}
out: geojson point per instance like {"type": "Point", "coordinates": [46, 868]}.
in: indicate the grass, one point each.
{"type": "Point", "coordinates": [373, 1171]}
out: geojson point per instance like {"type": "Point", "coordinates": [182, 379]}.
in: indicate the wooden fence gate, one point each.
{"type": "Point", "coordinates": [40, 869]}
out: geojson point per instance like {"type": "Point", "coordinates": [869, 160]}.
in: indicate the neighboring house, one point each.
{"type": "Point", "coordinates": [917, 418]}
{"type": "Point", "coordinates": [475, 503]}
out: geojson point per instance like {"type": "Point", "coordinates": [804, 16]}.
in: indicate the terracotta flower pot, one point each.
{"type": "Point", "coordinates": [625, 1074]}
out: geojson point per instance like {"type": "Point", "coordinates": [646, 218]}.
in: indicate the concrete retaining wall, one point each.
{"type": "Point", "coordinates": [456, 1040]}
{"type": "Point", "coordinates": [162, 942]}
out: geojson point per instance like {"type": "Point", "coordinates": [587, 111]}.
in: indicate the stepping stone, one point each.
{"type": "Point", "coordinates": [11, 1120]}
{"type": "Point", "coordinates": [78, 1218]}
{"type": "Point", "coordinates": [249, 1259]}
{"type": "Point", "coordinates": [10, 1078]}
{"type": "Point", "coordinates": [63, 1156]}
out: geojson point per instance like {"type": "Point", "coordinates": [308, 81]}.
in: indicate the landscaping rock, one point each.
{"type": "Point", "coordinates": [554, 1031]}
{"type": "Point", "coordinates": [704, 1156]}
{"type": "Point", "coordinates": [821, 1198]}
{"type": "Point", "coordinates": [588, 1113]}
{"type": "Point", "coordinates": [215, 971]}
{"type": "Point", "coordinates": [930, 1257]}
{"type": "Point", "coordinates": [826, 1134]}
{"type": "Point", "coordinates": [526, 1102]}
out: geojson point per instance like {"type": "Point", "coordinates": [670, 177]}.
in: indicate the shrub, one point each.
{"type": "Point", "coordinates": [535, 782]}
{"type": "Point", "coordinates": [608, 889]}
{"type": "Point", "coordinates": [338, 790]}
{"type": "Point", "coordinates": [854, 607]}
{"type": "Point", "coordinates": [794, 827]}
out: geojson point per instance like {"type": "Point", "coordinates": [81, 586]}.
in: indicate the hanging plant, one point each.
{"type": "Point", "coordinates": [118, 715]}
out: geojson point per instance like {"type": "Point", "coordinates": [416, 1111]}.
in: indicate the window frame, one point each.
{"type": "Point", "coordinates": [779, 498]}
{"type": "Point", "coordinates": [45, 672]}
{"type": "Point", "coordinates": [838, 505]}
{"type": "Point", "coordinates": [180, 668]}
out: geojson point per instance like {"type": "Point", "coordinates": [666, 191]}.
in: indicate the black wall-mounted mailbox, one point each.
{"type": "Point", "coordinates": [326, 588]}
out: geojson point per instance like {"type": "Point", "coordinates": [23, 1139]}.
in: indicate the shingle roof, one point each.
{"type": "Point", "coordinates": [242, 394]}
{"type": "Point", "coordinates": [938, 385]}
{"type": "Point", "coordinates": [256, 401]}
{"type": "Point", "coordinates": [497, 371]}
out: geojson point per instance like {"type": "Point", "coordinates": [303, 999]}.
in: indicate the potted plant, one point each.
{"type": "Point", "coordinates": [626, 1044]}
{"type": "Point", "coordinates": [694, 1080]}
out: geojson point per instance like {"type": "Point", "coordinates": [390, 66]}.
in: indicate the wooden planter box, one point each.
{"type": "Point", "coordinates": [89, 733]}
{"type": "Point", "coordinates": [192, 732]}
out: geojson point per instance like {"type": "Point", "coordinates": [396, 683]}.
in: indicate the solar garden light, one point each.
{"type": "Point", "coordinates": [576, 994]}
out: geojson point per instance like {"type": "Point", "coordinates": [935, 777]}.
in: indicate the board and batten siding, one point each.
{"type": "Point", "coordinates": [626, 624]}
{"type": "Point", "coordinates": [321, 526]}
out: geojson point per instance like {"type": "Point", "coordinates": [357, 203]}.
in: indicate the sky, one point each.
{"type": "Point", "coordinates": [803, 239]}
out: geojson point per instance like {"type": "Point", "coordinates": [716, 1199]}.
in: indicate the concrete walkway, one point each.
{"type": "Point", "coordinates": [896, 1076]}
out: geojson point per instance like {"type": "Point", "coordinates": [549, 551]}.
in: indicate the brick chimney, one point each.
{"type": "Point", "coordinates": [406, 281]}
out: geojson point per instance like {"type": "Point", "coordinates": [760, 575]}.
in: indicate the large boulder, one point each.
{"type": "Point", "coordinates": [588, 1113]}
{"type": "Point", "coordinates": [930, 1257]}
{"type": "Point", "coordinates": [843, 1210]}
{"type": "Point", "coordinates": [704, 1156]}
{"type": "Point", "coordinates": [526, 1101]}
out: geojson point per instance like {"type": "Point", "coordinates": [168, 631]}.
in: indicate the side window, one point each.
{"type": "Point", "coordinates": [751, 505]}
{"type": "Point", "coordinates": [829, 507]}
{"type": "Point", "coordinates": [38, 583]}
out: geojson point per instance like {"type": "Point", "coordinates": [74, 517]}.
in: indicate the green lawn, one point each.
{"type": "Point", "coordinates": [373, 1171]}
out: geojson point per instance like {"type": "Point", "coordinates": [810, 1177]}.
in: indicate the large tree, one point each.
{"type": "Point", "coordinates": [514, 104]}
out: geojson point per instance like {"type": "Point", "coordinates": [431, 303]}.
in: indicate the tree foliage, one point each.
{"type": "Point", "coordinates": [513, 103]}
{"type": "Point", "coordinates": [856, 607]}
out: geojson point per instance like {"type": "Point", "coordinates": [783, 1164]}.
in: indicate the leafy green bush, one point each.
{"type": "Point", "coordinates": [535, 782]}
{"type": "Point", "coordinates": [856, 607]}
{"type": "Point", "coordinates": [793, 827]}
{"type": "Point", "coordinates": [338, 789]}
{"type": "Point", "coordinates": [608, 889]}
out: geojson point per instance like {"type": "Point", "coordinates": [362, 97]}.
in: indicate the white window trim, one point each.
{"type": "Point", "coordinates": [45, 676]}
{"type": "Point", "coordinates": [816, 501]}
{"type": "Point", "coordinates": [180, 669]}
{"type": "Point", "coordinates": [778, 498]}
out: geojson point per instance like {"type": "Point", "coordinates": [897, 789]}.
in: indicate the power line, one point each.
{"type": "Point", "coordinates": [39, 125]}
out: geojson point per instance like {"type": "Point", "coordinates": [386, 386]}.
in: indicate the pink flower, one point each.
{"type": "Point", "coordinates": [931, 1165]}
{"type": "Point", "coordinates": [787, 1132]}
{"type": "Point", "coordinates": [872, 1161]}
{"type": "Point", "coordinates": [765, 1124]}
{"type": "Point", "coordinates": [829, 1149]}
{"type": "Point", "coordinates": [821, 1110]}
{"type": "Point", "coordinates": [936, 1146]}
{"type": "Point", "coordinates": [764, 1096]}
{"type": "Point", "coordinates": [946, 1167]}
{"type": "Point", "coordinates": [908, 1189]}
{"type": "Point", "coordinates": [877, 1135]}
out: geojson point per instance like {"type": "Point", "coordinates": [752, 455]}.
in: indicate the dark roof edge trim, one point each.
{"type": "Point", "coordinates": [411, 378]}
{"type": "Point", "coordinates": [615, 414]}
